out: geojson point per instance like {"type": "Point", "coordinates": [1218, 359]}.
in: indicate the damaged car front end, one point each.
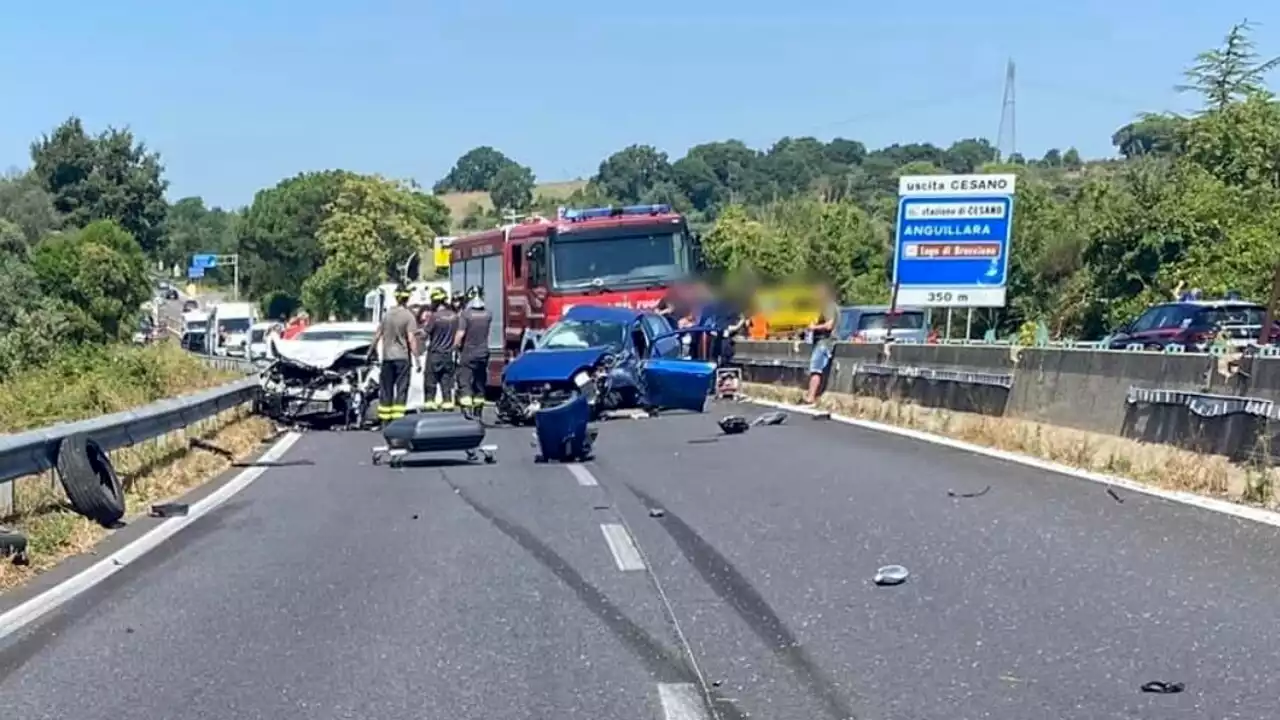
{"type": "Point", "coordinates": [551, 377]}
{"type": "Point", "coordinates": [320, 382]}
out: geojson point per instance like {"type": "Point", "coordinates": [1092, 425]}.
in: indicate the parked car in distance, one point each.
{"type": "Point", "coordinates": [871, 324]}
{"type": "Point", "coordinates": [1194, 324]}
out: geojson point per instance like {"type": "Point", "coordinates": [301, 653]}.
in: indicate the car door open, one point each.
{"type": "Point", "coordinates": [671, 382]}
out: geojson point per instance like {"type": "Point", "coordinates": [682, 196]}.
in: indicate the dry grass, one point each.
{"type": "Point", "coordinates": [98, 381]}
{"type": "Point", "coordinates": [1155, 465]}
{"type": "Point", "coordinates": [153, 472]}
{"type": "Point", "coordinates": [459, 203]}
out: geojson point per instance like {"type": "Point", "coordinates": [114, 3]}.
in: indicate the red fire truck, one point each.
{"type": "Point", "coordinates": [535, 270]}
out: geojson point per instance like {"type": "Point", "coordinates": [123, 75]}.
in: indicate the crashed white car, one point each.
{"type": "Point", "coordinates": [323, 375]}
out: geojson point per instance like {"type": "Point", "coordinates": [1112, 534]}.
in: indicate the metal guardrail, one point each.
{"type": "Point", "coordinates": [1004, 380]}
{"type": "Point", "coordinates": [35, 451]}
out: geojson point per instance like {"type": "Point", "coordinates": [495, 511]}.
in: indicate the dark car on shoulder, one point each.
{"type": "Point", "coordinates": [1194, 324]}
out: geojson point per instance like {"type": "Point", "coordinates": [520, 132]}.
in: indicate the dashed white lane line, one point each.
{"type": "Point", "coordinates": [55, 597]}
{"type": "Point", "coordinates": [681, 701]}
{"type": "Point", "coordinates": [625, 552]}
{"type": "Point", "coordinates": [582, 474]}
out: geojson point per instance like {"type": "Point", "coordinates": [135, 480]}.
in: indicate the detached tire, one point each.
{"type": "Point", "coordinates": [91, 482]}
{"type": "Point", "coordinates": [12, 543]}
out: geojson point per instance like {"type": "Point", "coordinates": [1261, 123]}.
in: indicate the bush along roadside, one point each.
{"type": "Point", "coordinates": [1155, 465]}
{"type": "Point", "coordinates": [92, 381]}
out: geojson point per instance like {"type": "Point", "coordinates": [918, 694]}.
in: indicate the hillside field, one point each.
{"type": "Point", "coordinates": [458, 203]}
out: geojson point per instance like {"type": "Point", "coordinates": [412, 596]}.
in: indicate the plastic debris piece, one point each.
{"type": "Point", "coordinates": [980, 493]}
{"type": "Point", "coordinates": [734, 425]}
{"type": "Point", "coordinates": [656, 512]}
{"type": "Point", "coordinates": [1163, 688]}
{"type": "Point", "coordinates": [777, 417]}
{"type": "Point", "coordinates": [891, 575]}
{"type": "Point", "coordinates": [1115, 496]}
{"type": "Point", "coordinates": [822, 416]}
{"type": "Point", "coordinates": [167, 510]}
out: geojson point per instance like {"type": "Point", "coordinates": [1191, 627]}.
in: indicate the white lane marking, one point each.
{"type": "Point", "coordinates": [57, 596]}
{"type": "Point", "coordinates": [1258, 515]}
{"type": "Point", "coordinates": [681, 701]}
{"type": "Point", "coordinates": [625, 552]}
{"type": "Point", "coordinates": [584, 476]}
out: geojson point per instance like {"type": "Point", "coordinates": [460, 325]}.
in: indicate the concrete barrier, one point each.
{"type": "Point", "coordinates": [1102, 391]}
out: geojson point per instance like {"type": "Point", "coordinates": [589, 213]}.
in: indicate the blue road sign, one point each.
{"type": "Point", "coordinates": [953, 239]}
{"type": "Point", "coordinates": [204, 261]}
{"type": "Point", "coordinates": [195, 273]}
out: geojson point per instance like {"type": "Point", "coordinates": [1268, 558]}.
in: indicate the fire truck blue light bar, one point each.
{"type": "Point", "coordinates": [573, 214]}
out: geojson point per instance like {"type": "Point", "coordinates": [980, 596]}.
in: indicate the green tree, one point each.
{"type": "Point", "coordinates": [370, 228]}
{"type": "Point", "coordinates": [475, 171]}
{"type": "Point", "coordinates": [1230, 72]}
{"type": "Point", "coordinates": [277, 239]}
{"type": "Point", "coordinates": [512, 188]}
{"type": "Point", "coordinates": [100, 273]}
{"type": "Point", "coordinates": [632, 172]}
{"type": "Point", "coordinates": [107, 177]}
{"type": "Point", "coordinates": [192, 228]}
{"type": "Point", "coordinates": [24, 202]}
{"type": "Point", "coordinates": [1150, 134]}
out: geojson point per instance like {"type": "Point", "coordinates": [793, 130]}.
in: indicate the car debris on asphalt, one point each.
{"type": "Point", "coordinates": [168, 510]}
{"type": "Point", "coordinates": [777, 417]}
{"type": "Point", "coordinates": [1163, 688]}
{"type": "Point", "coordinates": [734, 424]}
{"type": "Point", "coordinates": [890, 575]}
{"type": "Point", "coordinates": [980, 493]}
{"type": "Point", "coordinates": [1115, 496]}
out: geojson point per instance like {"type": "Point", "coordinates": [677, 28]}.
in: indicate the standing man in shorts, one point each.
{"type": "Point", "coordinates": [397, 344]}
{"type": "Point", "coordinates": [821, 333]}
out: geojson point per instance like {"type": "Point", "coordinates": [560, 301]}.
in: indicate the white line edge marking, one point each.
{"type": "Point", "coordinates": [681, 701]}
{"type": "Point", "coordinates": [624, 550]}
{"type": "Point", "coordinates": [1258, 515]}
{"type": "Point", "coordinates": [55, 597]}
{"type": "Point", "coordinates": [584, 476]}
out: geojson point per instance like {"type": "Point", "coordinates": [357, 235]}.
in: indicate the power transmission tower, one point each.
{"type": "Point", "coordinates": [1007, 135]}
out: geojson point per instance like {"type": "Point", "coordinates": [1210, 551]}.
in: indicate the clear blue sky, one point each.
{"type": "Point", "coordinates": [238, 94]}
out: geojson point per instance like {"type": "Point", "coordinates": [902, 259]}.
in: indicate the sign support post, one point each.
{"type": "Point", "coordinates": [953, 240]}
{"type": "Point", "coordinates": [204, 261]}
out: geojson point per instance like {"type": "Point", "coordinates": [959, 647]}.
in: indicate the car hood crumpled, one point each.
{"type": "Point", "coordinates": [318, 354]}
{"type": "Point", "coordinates": [551, 365]}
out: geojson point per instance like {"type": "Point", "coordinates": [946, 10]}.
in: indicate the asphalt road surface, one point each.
{"type": "Point", "coordinates": [473, 592]}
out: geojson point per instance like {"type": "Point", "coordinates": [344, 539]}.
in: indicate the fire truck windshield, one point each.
{"type": "Point", "coordinates": [617, 259]}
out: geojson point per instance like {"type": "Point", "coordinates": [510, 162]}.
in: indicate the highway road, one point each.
{"type": "Point", "coordinates": [341, 590]}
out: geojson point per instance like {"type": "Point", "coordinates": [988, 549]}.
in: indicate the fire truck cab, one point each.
{"type": "Point", "coordinates": [535, 270]}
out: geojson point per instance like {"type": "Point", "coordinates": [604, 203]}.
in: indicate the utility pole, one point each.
{"type": "Point", "coordinates": [1007, 134]}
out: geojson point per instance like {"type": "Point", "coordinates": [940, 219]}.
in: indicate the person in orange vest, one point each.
{"type": "Point", "coordinates": [758, 327]}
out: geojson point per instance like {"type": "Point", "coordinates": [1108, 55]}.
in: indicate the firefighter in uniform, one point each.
{"type": "Point", "coordinates": [396, 342]}
{"type": "Point", "coordinates": [472, 341]}
{"type": "Point", "coordinates": [440, 366]}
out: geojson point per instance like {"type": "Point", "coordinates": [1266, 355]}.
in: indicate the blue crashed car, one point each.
{"type": "Point", "coordinates": [618, 357]}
